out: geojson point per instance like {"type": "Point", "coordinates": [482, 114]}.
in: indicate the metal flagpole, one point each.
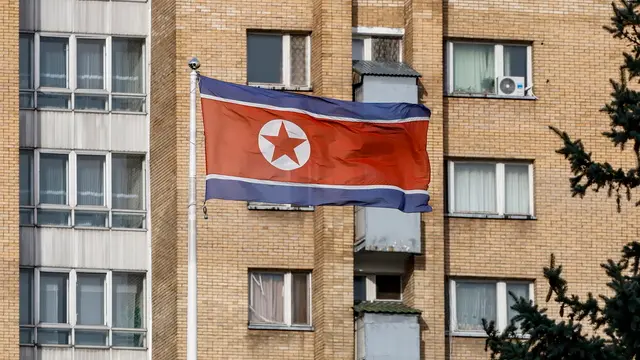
{"type": "Point", "coordinates": [192, 284]}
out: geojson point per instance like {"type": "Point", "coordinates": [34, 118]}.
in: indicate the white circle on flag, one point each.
{"type": "Point", "coordinates": [284, 144]}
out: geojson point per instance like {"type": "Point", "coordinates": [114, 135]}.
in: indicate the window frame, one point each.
{"type": "Point", "coordinates": [367, 33]}
{"type": "Point", "coordinates": [286, 61]}
{"type": "Point", "coordinates": [367, 47]}
{"type": "Point", "coordinates": [500, 189]}
{"type": "Point", "coordinates": [371, 287]}
{"type": "Point", "coordinates": [72, 60]}
{"type": "Point", "coordinates": [32, 207]}
{"type": "Point", "coordinates": [498, 48]}
{"type": "Point", "coordinates": [501, 304]}
{"type": "Point", "coordinates": [287, 300]}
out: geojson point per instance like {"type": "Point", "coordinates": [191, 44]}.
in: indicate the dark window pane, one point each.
{"type": "Point", "coordinates": [388, 287]}
{"type": "Point", "coordinates": [54, 101]}
{"type": "Point", "coordinates": [515, 61]}
{"type": "Point", "coordinates": [26, 61]}
{"type": "Point", "coordinates": [90, 64]}
{"type": "Point", "coordinates": [91, 102]}
{"type": "Point", "coordinates": [359, 288]}
{"type": "Point", "coordinates": [53, 337]}
{"type": "Point", "coordinates": [128, 221]}
{"type": "Point", "coordinates": [91, 338]}
{"type": "Point", "coordinates": [357, 49]}
{"type": "Point", "coordinates": [53, 62]}
{"type": "Point", "coordinates": [127, 104]}
{"type": "Point", "coordinates": [125, 339]}
{"type": "Point", "coordinates": [26, 177]}
{"type": "Point", "coordinates": [127, 66]}
{"type": "Point", "coordinates": [91, 219]}
{"type": "Point", "coordinates": [300, 299]}
{"type": "Point", "coordinates": [264, 58]}
{"type": "Point", "coordinates": [26, 100]}
{"type": "Point", "coordinates": [54, 217]}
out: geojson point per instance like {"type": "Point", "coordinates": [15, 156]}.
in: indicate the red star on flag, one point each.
{"type": "Point", "coordinates": [284, 145]}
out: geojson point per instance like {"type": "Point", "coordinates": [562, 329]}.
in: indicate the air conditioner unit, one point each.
{"type": "Point", "coordinates": [510, 86]}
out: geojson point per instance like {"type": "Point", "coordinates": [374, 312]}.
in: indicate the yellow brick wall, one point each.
{"type": "Point", "coordinates": [9, 133]}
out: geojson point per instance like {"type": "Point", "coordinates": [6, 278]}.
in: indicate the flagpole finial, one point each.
{"type": "Point", "coordinates": [194, 63]}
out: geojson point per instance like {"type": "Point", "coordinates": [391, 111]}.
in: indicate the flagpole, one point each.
{"type": "Point", "coordinates": [192, 283]}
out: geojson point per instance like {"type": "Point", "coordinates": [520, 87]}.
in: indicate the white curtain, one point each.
{"type": "Point", "coordinates": [127, 182]}
{"type": "Point", "coordinates": [53, 179]}
{"type": "Point", "coordinates": [90, 299]}
{"type": "Point", "coordinates": [474, 301]}
{"type": "Point", "coordinates": [90, 180]}
{"type": "Point", "coordinates": [90, 64]}
{"type": "Point", "coordinates": [128, 298]}
{"type": "Point", "coordinates": [26, 297]}
{"type": "Point", "coordinates": [266, 303]}
{"type": "Point", "coordinates": [26, 166]}
{"type": "Point", "coordinates": [53, 298]}
{"type": "Point", "coordinates": [127, 66]}
{"type": "Point", "coordinates": [53, 62]}
{"type": "Point", "coordinates": [474, 188]}
{"type": "Point", "coordinates": [473, 68]}
{"type": "Point", "coordinates": [519, 290]}
{"type": "Point", "coordinates": [516, 189]}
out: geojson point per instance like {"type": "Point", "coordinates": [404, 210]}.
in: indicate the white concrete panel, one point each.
{"type": "Point", "coordinates": [129, 132]}
{"type": "Point", "coordinates": [27, 353]}
{"type": "Point", "coordinates": [92, 130]}
{"type": "Point", "coordinates": [52, 353]}
{"type": "Point", "coordinates": [54, 15]}
{"type": "Point", "coordinates": [91, 354]}
{"type": "Point", "coordinates": [55, 129]}
{"type": "Point", "coordinates": [93, 248]}
{"type": "Point", "coordinates": [55, 247]}
{"type": "Point", "coordinates": [27, 128]}
{"type": "Point", "coordinates": [129, 355]}
{"type": "Point", "coordinates": [28, 246]}
{"type": "Point", "coordinates": [92, 16]}
{"type": "Point", "coordinates": [128, 250]}
{"type": "Point", "coordinates": [130, 18]}
{"type": "Point", "coordinates": [27, 15]}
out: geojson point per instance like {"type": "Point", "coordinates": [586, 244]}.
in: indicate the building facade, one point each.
{"type": "Point", "coordinates": [94, 192]}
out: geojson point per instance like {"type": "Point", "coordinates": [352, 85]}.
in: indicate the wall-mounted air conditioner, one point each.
{"type": "Point", "coordinates": [510, 86]}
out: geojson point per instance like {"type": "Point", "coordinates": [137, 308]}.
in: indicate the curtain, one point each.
{"type": "Point", "coordinates": [90, 299]}
{"type": "Point", "coordinates": [300, 299]}
{"type": "Point", "coordinates": [475, 188]}
{"type": "Point", "coordinates": [53, 62]}
{"type": "Point", "coordinates": [26, 61]}
{"type": "Point", "coordinates": [26, 173]}
{"type": "Point", "coordinates": [53, 298]}
{"type": "Point", "coordinates": [516, 184]}
{"type": "Point", "coordinates": [53, 179]}
{"type": "Point", "coordinates": [515, 61]}
{"type": "Point", "coordinates": [385, 49]}
{"type": "Point", "coordinates": [519, 290]}
{"type": "Point", "coordinates": [474, 301]}
{"type": "Point", "coordinates": [473, 68]}
{"type": "Point", "coordinates": [127, 66]}
{"type": "Point", "coordinates": [127, 182]}
{"type": "Point", "coordinates": [298, 60]}
{"type": "Point", "coordinates": [26, 297]}
{"type": "Point", "coordinates": [90, 64]}
{"type": "Point", "coordinates": [90, 180]}
{"type": "Point", "coordinates": [128, 297]}
{"type": "Point", "coordinates": [266, 303]}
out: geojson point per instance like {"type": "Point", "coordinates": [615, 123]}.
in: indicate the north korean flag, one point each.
{"type": "Point", "coordinates": [285, 148]}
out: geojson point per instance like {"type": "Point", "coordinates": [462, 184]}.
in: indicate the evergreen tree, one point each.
{"type": "Point", "coordinates": [603, 327]}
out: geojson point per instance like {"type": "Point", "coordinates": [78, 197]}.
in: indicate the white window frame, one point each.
{"type": "Point", "coordinates": [500, 189]}
{"type": "Point", "coordinates": [72, 58]}
{"type": "Point", "coordinates": [498, 65]}
{"type": "Point", "coordinates": [501, 305]}
{"type": "Point", "coordinates": [70, 305]}
{"type": "Point", "coordinates": [371, 287]}
{"type": "Point", "coordinates": [367, 33]}
{"type": "Point", "coordinates": [287, 295]}
{"type": "Point", "coordinates": [72, 178]}
{"type": "Point", "coordinates": [286, 63]}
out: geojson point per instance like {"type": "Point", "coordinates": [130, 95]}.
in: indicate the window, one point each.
{"type": "Point", "coordinates": [473, 67]}
{"type": "Point", "coordinates": [83, 308]}
{"type": "Point", "coordinates": [276, 60]}
{"type": "Point", "coordinates": [479, 188]}
{"type": "Point", "coordinates": [281, 299]}
{"type": "Point", "coordinates": [99, 200]}
{"type": "Point", "coordinates": [474, 300]}
{"type": "Point", "coordinates": [377, 48]}
{"type": "Point", "coordinates": [26, 187]}
{"type": "Point", "coordinates": [82, 73]}
{"type": "Point", "coordinates": [377, 287]}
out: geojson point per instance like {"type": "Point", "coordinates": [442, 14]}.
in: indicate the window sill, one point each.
{"type": "Point", "coordinates": [281, 327]}
{"type": "Point", "coordinates": [282, 87]}
{"type": "Point", "coordinates": [124, 112]}
{"type": "Point", "coordinates": [492, 216]}
{"type": "Point", "coordinates": [53, 109]}
{"type": "Point", "coordinates": [491, 96]}
{"type": "Point", "coordinates": [479, 335]}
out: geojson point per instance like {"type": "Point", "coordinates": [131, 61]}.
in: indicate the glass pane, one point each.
{"type": "Point", "coordinates": [266, 299]}
{"type": "Point", "coordinates": [90, 299]}
{"type": "Point", "coordinates": [473, 68]}
{"type": "Point", "coordinates": [300, 299]}
{"type": "Point", "coordinates": [128, 221]}
{"type": "Point", "coordinates": [91, 102]}
{"type": "Point", "coordinates": [516, 184]}
{"type": "Point", "coordinates": [53, 297]}
{"type": "Point", "coordinates": [54, 101]}
{"type": "Point", "coordinates": [26, 216]}
{"type": "Point", "coordinates": [26, 296]}
{"type": "Point", "coordinates": [53, 178]}
{"type": "Point", "coordinates": [26, 177]}
{"type": "Point", "coordinates": [264, 58]}
{"type": "Point", "coordinates": [90, 179]}
{"type": "Point", "coordinates": [54, 217]}
{"type": "Point", "coordinates": [26, 100]}
{"type": "Point", "coordinates": [388, 287]}
{"type": "Point", "coordinates": [124, 339]}
{"type": "Point", "coordinates": [127, 104]}
{"type": "Point", "coordinates": [53, 337]}
{"type": "Point", "coordinates": [91, 337]}
{"type": "Point", "coordinates": [359, 288]}
{"type": "Point", "coordinates": [127, 66]}
{"type": "Point", "coordinates": [91, 219]}
{"type": "Point", "coordinates": [515, 61]}
{"type": "Point", "coordinates": [90, 64]}
{"type": "Point", "coordinates": [519, 290]}
{"type": "Point", "coordinates": [475, 188]}
{"type": "Point", "coordinates": [26, 336]}
{"type": "Point", "coordinates": [298, 60]}
{"type": "Point", "coordinates": [385, 49]}
{"type": "Point", "coordinates": [357, 49]}
{"type": "Point", "coordinates": [53, 62]}
{"type": "Point", "coordinates": [127, 182]}
{"type": "Point", "coordinates": [26, 62]}
{"type": "Point", "coordinates": [474, 301]}
{"type": "Point", "coordinates": [128, 301]}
